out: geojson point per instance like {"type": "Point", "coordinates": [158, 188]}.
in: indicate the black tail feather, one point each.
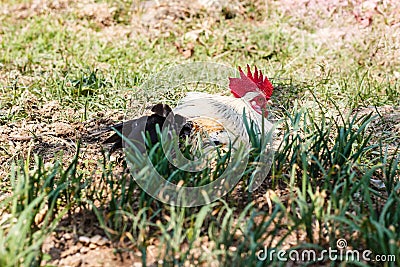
{"type": "Point", "coordinates": [131, 129]}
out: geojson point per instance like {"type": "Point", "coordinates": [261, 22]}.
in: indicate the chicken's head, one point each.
{"type": "Point", "coordinates": [253, 88]}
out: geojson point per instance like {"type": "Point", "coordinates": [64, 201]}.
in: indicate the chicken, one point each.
{"type": "Point", "coordinates": [219, 119]}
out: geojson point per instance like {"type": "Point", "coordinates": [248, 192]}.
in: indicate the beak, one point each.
{"type": "Point", "coordinates": [258, 109]}
{"type": "Point", "coordinates": [264, 110]}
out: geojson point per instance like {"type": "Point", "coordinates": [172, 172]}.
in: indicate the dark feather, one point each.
{"type": "Point", "coordinates": [133, 129]}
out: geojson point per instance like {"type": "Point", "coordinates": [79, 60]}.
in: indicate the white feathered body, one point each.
{"type": "Point", "coordinates": [221, 117]}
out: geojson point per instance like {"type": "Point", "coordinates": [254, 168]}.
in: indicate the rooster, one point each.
{"type": "Point", "coordinates": [221, 118]}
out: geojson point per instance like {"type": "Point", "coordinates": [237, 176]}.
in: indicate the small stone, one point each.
{"type": "Point", "coordinates": [70, 251]}
{"type": "Point", "coordinates": [67, 236]}
{"type": "Point", "coordinates": [84, 239]}
{"type": "Point", "coordinates": [102, 241]}
{"type": "Point", "coordinates": [70, 261]}
{"type": "Point", "coordinates": [76, 263]}
{"type": "Point", "coordinates": [95, 239]}
{"type": "Point", "coordinates": [64, 254]}
{"type": "Point", "coordinates": [84, 249]}
{"type": "Point", "coordinates": [92, 246]}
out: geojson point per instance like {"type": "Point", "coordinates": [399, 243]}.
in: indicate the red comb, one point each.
{"type": "Point", "coordinates": [250, 83]}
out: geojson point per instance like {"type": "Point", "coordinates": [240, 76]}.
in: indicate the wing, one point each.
{"type": "Point", "coordinates": [133, 129]}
